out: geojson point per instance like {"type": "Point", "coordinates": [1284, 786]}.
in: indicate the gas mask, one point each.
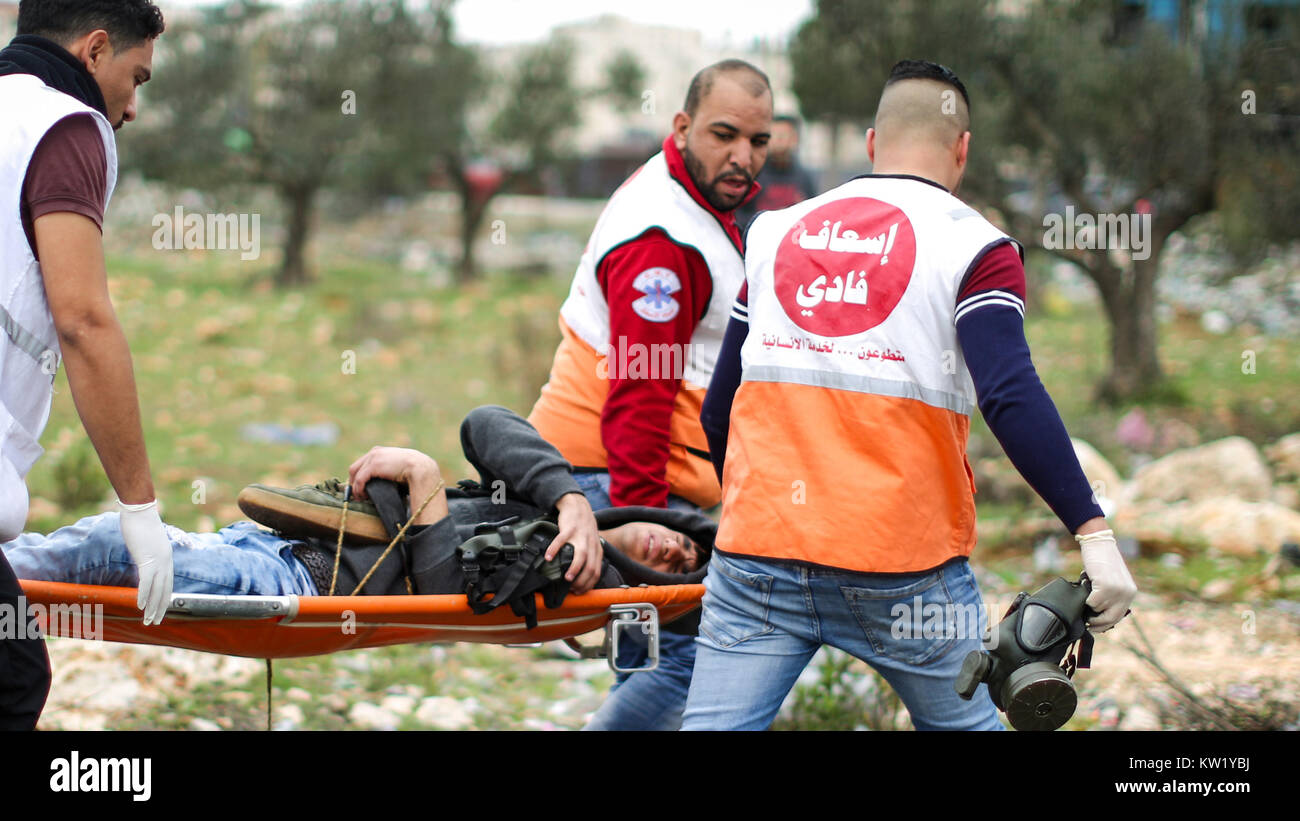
{"type": "Point", "coordinates": [1023, 663]}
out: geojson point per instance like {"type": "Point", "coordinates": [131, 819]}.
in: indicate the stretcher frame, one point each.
{"type": "Point", "coordinates": [291, 626]}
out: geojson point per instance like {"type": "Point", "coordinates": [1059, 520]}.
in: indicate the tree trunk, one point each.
{"type": "Point", "coordinates": [473, 210]}
{"type": "Point", "coordinates": [299, 202]}
{"type": "Point", "coordinates": [1129, 298]}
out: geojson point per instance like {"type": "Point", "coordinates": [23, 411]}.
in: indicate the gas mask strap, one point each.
{"type": "Point", "coordinates": [1085, 650]}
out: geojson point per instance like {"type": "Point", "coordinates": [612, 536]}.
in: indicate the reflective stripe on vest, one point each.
{"type": "Point", "coordinates": [29, 344]}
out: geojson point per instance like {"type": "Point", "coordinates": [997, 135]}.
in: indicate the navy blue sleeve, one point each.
{"type": "Point", "coordinates": [1021, 414]}
{"type": "Point", "coordinates": [715, 415]}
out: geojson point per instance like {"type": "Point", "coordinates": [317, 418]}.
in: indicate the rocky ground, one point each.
{"type": "Point", "coordinates": [1202, 526]}
{"type": "Point", "coordinates": [1247, 653]}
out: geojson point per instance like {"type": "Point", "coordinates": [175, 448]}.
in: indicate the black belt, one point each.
{"type": "Point", "coordinates": [319, 564]}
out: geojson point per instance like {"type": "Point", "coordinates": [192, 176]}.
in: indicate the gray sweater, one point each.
{"type": "Point", "coordinates": [524, 473]}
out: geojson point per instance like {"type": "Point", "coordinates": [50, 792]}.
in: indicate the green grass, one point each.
{"type": "Point", "coordinates": [1205, 385]}
{"type": "Point", "coordinates": [216, 348]}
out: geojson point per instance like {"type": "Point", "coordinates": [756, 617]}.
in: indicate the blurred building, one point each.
{"type": "Point", "coordinates": [617, 137]}
{"type": "Point", "coordinates": [1212, 20]}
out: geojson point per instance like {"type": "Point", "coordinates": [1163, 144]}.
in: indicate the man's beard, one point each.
{"type": "Point", "coordinates": [708, 189]}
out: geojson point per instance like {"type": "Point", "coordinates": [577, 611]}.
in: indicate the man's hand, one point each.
{"type": "Point", "coordinates": [407, 467]}
{"type": "Point", "coordinates": [578, 527]}
{"type": "Point", "coordinates": [147, 542]}
{"type": "Point", "coordinates": [401, 465]}
{"type": "Point", "coordinates": [1112, 586]}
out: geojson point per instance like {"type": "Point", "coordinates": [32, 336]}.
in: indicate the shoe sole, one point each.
{"type": "Point", "coordinates": [294, 517]}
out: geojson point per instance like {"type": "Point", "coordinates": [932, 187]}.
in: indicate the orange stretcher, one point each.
{"type": "Point", "coordinates": [271, 627]}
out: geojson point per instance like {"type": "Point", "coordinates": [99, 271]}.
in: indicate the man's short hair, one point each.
{"type": "Point", "coordinates": [128, 22]}
{"type": "Point", "coordinates": [788, 119]}
{"type": "Point", "coordinates": [926, 70]}
{"type": "Point", "coordinates": [750, 77]}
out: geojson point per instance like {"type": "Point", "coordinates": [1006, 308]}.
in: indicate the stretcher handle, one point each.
{"type": "Point", "coordinates": [210, 606]}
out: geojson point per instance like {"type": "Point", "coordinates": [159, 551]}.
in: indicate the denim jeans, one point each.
{"type": "Point", "coordinates": [651, 700]}
{"type": "Point", "coordinates": [239, 560]}
{"type": "Point", "coordinates": [763, 621]}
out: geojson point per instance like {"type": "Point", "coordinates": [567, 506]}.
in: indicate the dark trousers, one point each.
{"type": "Point", "coordinates": [24, 663]}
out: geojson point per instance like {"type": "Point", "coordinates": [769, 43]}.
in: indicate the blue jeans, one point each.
{"type": "Point", "coordinates": [763, 621]}
{"type": "Point", "coordinates": [653, 700]}
{"type": "Point", "coordinates": [239, 560]}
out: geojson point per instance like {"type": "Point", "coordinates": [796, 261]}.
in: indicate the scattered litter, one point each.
{"type": "Point", "coordinates": [326, 433]}
{"type": "Point", "coordinates": [1047, 556]}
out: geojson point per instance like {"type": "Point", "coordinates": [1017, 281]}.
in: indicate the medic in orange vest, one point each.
{"type": "Point", "coordinates": [874, 318]}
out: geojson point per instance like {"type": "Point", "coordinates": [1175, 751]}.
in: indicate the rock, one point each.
{"type": "Point", "coordinates": [1287, 496]}
{"type": "Point", "coordinates": [1047, 556]}
{"type": "Point", "coordinates": [1228, 467]}
{"type": "Point", "coordinates": [1238, 528]}
{"type": "Point", "coordinates": [400, 705]}
{"type": "Point", "coordinates": [204, 725]}
{"type": "Point", "coordinates": [446, 713]}
{"type": "Point", "coordinates": [297, 694]}
{"type": "Point", "coordinates": [540, 725]}
{"type": "Point", "coordinates": [369, 717]}
{"type": "Point", "coordinates": [1175, 434]}
{"type": "Point", "coordinates": [1231, 526]}
{"type": "Point", "coordinates": [1284, 457]}
{"type": "Point", "coordinates": [998, 482]}
{"type": "Point", "coordinates": [1217, 589]}
{"type": "Point", "coordinates": [1216, 322]}
{"type": "Point", "coordinates": [1103, 477]}
{"type": "Point", "coordinates": [288, 717]}
{"type": "Point", "coordinates": [75, 721]}
{"type": "Point", "coordinates": [1138, 717]}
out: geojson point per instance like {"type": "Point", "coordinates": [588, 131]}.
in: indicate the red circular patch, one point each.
{"type": "Point", "coordinates": [843, 267]}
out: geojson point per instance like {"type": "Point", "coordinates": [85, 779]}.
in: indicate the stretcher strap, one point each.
{"type": "Point", "coordinates": [400, 535]}
{"type": "Point", "coordinates": [338, 547]}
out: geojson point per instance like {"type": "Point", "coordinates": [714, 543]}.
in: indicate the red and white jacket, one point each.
{"type": "Point", "coordinates": [642, 327]}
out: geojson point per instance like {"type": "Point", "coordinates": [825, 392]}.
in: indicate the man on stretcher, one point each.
{"type": "Point", "coordinates": [520, 475]}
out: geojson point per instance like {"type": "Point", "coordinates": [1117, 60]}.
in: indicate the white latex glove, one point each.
{"type": "Point", "coordinates": [147, 542]}
{"type": "Point", "coordinates": [1112, 586]}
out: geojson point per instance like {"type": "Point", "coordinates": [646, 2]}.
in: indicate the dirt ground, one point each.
{"type": "Point", "coordinates": [1250, 653]}
{"type": "Point", "coordinates": [1246, 652]}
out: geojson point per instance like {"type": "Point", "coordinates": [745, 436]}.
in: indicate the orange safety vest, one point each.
{"type": "Point", "coordinates": [847, 444]}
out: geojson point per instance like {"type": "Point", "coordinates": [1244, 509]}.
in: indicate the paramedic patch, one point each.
{"type": "Point", "coordinates": [658, 285]}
